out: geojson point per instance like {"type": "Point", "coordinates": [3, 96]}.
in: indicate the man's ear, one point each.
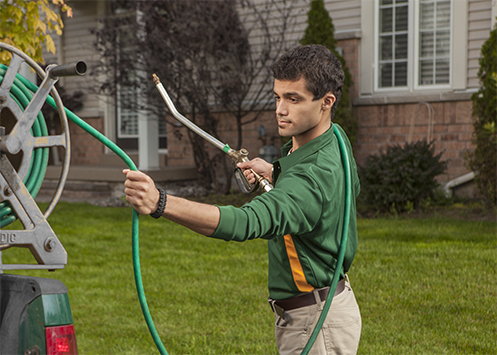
{"type": "Point", "coordinates": [328, 101]}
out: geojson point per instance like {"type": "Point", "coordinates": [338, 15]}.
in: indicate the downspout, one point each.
{"type": "Point", "coordinates": [457, 182]}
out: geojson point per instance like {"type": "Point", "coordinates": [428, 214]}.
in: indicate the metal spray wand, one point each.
{"type": "Point", "coordinates": [237, 156]}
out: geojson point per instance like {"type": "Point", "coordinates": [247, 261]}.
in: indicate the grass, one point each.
{"type": "Point", "coordinates": [425, 286]}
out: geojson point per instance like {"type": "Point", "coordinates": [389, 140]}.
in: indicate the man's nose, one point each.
{"type": "Point", "coordinates": [281, 109]}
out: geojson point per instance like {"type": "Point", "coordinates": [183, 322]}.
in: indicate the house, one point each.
{"type": "Point", "coordinates": [414, 64]}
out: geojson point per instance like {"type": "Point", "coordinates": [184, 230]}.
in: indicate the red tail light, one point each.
{"type": "Point", "coordinates": [61, 340]}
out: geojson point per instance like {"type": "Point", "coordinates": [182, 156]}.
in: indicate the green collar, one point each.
{"type": "Point", "coordinates": [286, 161]}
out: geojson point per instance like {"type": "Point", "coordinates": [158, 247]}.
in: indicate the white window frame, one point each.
{"type": "Point", "coordinates": [415, 62]}
{"type": "Point", "coordinates": [369, 51]}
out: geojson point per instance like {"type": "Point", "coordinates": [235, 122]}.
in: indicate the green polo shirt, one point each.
{"type": "Point", "coordinates": [302, 217]}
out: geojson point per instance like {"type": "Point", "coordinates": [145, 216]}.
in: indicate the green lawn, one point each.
{"type": "Point", "coordinates": [425, 286]}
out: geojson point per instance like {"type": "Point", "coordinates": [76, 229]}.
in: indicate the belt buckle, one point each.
{"type": "Point", "coordinates": [277, 309]}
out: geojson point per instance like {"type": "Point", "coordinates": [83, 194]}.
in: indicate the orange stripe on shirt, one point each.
{"type": "Point", "coordinates": [297, 271]}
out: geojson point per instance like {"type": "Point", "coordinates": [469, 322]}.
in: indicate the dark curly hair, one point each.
{"type": "Point", "coordinates": [319, 67]}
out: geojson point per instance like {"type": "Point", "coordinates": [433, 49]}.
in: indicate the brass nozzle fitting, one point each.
{"type": "Point", "coordinates": [156, 79]}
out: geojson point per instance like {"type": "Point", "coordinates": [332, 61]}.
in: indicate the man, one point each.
{"type": "Point", "coordinates": [302, 217]}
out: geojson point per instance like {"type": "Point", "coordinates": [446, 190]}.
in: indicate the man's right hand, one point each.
{"type": "Point", "coordinates": [258, 165]}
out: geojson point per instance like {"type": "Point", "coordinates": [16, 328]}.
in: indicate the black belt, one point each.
{"type": "Point", "coordinates": [306, 299]}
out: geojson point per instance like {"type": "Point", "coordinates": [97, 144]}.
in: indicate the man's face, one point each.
{"type": "Point", "coordinates": [297, 114]}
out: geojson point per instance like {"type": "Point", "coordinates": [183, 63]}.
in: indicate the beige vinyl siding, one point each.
{"type": "Point", "coordinates": [75, 44]}
{"type": "Point", "coordinates": [479, 26]}
{"type": "Point", "coordinates": [346, 16]}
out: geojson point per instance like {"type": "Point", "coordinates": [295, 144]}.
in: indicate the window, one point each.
{"type": "Point", "coordinates": [434, 43]}
{"type": "Point", "coordinates": [127, 118]}
{"type": "Point", "coordinates": [129, 99]}
{"type": "Point", "coordinates": [127, 114]}
{"type": "Point", "coordinates": [393, 42]}
{"type": "Point", "coordinates": [412, 44]}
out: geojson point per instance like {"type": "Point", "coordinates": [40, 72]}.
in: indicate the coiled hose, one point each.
{"type": "Point", "coordinates": [22, 90]}
{"type": "Point", "coordinates": [39, 158]}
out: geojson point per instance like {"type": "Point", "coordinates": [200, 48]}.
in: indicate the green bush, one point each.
{"type": "Point", "coordinates": [483, 160]}
{"type": "Point", "coordinates": [399, 179]}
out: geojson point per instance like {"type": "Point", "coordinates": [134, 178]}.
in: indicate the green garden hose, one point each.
{"type": "Point", "coordinates": [22, 90]}
{"type": "Point", "coordinates": [343, 242]}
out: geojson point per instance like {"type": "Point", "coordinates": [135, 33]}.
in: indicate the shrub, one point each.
{"type": "Point", "coordinates": [401, 178]}
{"type": "Point", "coordinates": [483, 160]}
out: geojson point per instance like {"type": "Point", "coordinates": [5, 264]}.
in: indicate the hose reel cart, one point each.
{"type": "Point", "coordinates": [35, 315]}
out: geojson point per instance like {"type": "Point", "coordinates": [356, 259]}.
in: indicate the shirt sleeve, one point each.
{"type": "Point", "coordinates": [294, 206]}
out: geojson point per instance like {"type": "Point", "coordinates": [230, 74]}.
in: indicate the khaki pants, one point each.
{"type": "Point", "coordinates": [340, 332]}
